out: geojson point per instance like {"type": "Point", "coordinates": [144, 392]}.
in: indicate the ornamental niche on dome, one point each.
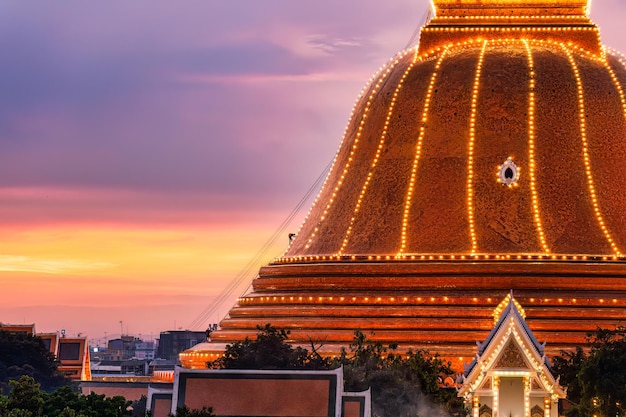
{"type": "Point", "coordinates": [416, 234]}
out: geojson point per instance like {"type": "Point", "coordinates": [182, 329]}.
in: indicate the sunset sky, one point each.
{"type": "Point", "coordinates": [150, 148]}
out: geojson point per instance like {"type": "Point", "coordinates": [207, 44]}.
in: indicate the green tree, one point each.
{"type": "Point", "coordinates": [26, 396]}
{"type": "Point", "coordinates": [65, 401]}
{"type": "Point", "coordinates": [603, 374]}
{"type": "Point", "coordinates": [4, 405]}
{"type": "Point", "coordinates": [68, 412]}
{"type": "Point", "coordinates": [19, 412]}
{"type": "Point", "coordinates": [268, 351]}
{"type": "Point", "coordinates": [184, 411]}
{"type": "Point", "coordinates": [566, 367]}
{"type": "Point", "coordinates": [596, 383]}
{"type": "Point", "coordinates": [60, 401]}
{"type": "Point", "coordinates": [26, 399]}
{"type": "Point", "coordinates": [402, 385]}
{"type": "Point", "coordinates": [98, 405]}
{"type": "Point", "coordinates": [139, 406]}
{"type": "Point", "coordinates": [25, 354]}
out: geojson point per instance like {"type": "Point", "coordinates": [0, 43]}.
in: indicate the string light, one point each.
{"type": "Point", "coordinates": [470, 156]}
{"type": "Point", "coordinates": [531, 148]}
{"type": "Point", "coordinates": [381, 144]}
{"type": "Point", "coordinates": [583, 136]}
{"type": "Point", "coordinates": [418, 150]}
{"type": "Point", "coordinates": [355, 144]}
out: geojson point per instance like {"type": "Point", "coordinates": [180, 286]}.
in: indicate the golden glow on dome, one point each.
{"type": "Point", "coordinates": [531, 148]}
{"type": "Point", "coordinates": [411, 236]}
{"type": "Point", "coordinates": [378, 84]}
{"type": "Point", "coordinates": [418, 152]}
{"type": "Point", "coordinates": [379, 149]}
{"type": "Point", "coordinates": [582, 115]}
{"type": "Point", "coordinates": [470, 153]}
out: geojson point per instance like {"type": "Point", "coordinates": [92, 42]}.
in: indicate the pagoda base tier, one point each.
{"type": "Point", "coordinates": [442, 307]}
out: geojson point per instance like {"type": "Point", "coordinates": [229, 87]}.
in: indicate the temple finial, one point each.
{"type": "Point", "coordinates": [512, 7]}
{"type": "Point", "coordinates": [461, 21]}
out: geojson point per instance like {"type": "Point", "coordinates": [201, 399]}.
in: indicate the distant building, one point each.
{"type": "Point", "coordinates": [136, 367]}
{"type": "Point", "coordinates": [122, 348]}
{"type": "Point", "coordinates": [71, 352]}
{"type": "Point", "coordinates": [172, 342]}
{"type": "Point", "coordinates": [101, 368]}
{"type": "Point", "coordinates": [145, 350]}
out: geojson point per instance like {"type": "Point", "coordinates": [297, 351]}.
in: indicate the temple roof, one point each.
{"type": "Point", "coordinates": [511, 349]}
{"type": "Point", "coordinates": [511, 315]}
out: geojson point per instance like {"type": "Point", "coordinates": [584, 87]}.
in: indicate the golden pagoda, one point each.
{"type": "Point", "coordinates": [491, 157]}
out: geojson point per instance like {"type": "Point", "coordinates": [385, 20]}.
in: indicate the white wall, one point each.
{"type": "Point", "coordinates": [511, 402]}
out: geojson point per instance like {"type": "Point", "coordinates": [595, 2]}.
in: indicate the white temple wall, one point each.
{"type": "Point", "coordinates": [511, 402]}
{"type": "Point", "coordinates": [536, 401]}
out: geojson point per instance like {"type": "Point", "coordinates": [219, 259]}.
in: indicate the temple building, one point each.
{"type": "Point", "coordinates": [511, 375]}
{"type": "Point", "coordinates": [488, 158]}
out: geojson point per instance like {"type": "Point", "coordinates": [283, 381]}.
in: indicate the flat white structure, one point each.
{"type": "Point", "coordinates": [268, 393]}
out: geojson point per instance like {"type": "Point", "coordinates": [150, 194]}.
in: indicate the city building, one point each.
{"type": "Point", "coordinates": [489, 157]}
{"type": "Point", "coordinates": [71, 352]}
{"type": "Point", "coordinates": [122, 348]}
{"type": "Point", "coordinates": [172, 342]}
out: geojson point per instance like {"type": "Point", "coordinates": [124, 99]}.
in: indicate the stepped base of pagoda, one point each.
{"type": "Point", "coordinates": [443, 307]}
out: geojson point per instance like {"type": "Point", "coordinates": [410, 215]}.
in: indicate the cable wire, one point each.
{"type": "Point", "coordinates": [254, 263]}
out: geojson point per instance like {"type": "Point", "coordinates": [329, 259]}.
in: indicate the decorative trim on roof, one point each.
{"type": "Point", "coordinates": [511, 349]}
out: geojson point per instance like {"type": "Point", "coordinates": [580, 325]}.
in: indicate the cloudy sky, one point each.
{"type": "Point", "coordinates": [148, 149]}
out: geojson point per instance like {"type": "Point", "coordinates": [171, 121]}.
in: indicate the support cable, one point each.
{"type": "Point", "coordinates": [254, 263]}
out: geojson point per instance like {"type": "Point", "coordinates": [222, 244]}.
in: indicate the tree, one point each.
{"type": "Point", "coordinates": [596, 382]}
{"type": "Point", "coordinates": [184, 411]}
{"type": "Point", "coordinates": [25, 397]}
{"type": "Point", "coordinates": [25, 354]}
{"type": "Point", "coordinates": [139, 407]}
{"type": "Point", "coordinates": [65, 402]}
{"type": "Point", "coordinates": [268, 351]}
{"type": "Point", "coordinates": [94, 405]}
{"type": "Point", "coordinates": [566, 367]}
{"type": "Point", "coordinates": [402, 385]}
{"type": "Point", "coordinates": [68, 412]}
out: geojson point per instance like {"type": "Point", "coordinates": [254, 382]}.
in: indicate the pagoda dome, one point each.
{"type": "Point", "coordinates": [490, 157]}
{"type": "Point", "coordinates": [490, 145]}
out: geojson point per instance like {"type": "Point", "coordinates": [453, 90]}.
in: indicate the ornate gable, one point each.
{"type": "Point", "coordinates": [511, 357]}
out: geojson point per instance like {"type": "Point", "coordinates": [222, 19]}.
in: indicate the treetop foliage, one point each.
{"type": "Point", "coordinates": [27, 400]}
{"type": "Point", "coordinates": [184, 411]}
{"type": "Point", "coordinates": [25, 354]}
{"type": "Point", "coordinates": [269, 351]}
{"type": "Point", "coordinates": [596, 382]}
